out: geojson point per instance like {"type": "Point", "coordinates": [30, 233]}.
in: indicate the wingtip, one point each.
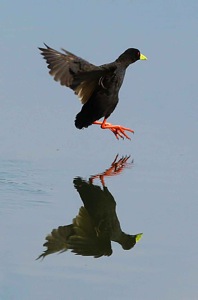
{"type": "Point", "coordinates": [46, 45]}
{"type": "Point", "coordinates": [41, 49]}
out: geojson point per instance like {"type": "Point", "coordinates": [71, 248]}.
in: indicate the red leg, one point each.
{"type": "Point", "coordinates": [118, 130]}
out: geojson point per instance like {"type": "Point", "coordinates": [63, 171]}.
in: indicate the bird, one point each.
{"type": "Point", "coordinates": [97, 223]}
{"type": "Point", "coordinates": [97, 87]}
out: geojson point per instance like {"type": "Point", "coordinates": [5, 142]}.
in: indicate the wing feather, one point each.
{"type": "Point", "coordinates": [74, 72]}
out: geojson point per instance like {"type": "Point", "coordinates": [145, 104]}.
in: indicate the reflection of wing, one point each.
{"type": "Point", "coordinates": [74, 72]}
{"type": "Point", "coordinates": [81, 237]}
{"type": "Point", "coordinates": [88, 240]}
{"type": "Point", "coordinates": [57, 240]}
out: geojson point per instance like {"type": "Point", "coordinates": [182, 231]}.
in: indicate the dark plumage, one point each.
{"type": "Point", "coordinates": [96, 86]}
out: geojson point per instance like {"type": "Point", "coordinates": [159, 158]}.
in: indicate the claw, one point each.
{"type": "Point", "coordinates": [118, 130]}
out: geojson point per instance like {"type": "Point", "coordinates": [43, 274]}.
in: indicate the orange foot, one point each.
{"type": "Point", "coordinates": [118, 130]}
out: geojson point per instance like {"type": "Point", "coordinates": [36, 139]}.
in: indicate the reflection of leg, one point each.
{"type": "Point", "coordinates": [118, 130]}
{"type": "Point", "coordinates": [116, 168]}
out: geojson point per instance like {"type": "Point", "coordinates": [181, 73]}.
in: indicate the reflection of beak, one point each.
{"type": "Point", "coordinates": [138, 237]}
{"type": "Point", "coordinates": [143, 57]}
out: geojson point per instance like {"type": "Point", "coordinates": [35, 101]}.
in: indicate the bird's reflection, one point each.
{"type": "Point", "coordinates": [96, 224]}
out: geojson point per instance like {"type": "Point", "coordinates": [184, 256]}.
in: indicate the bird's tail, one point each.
{"type": "Point", "coordinates": [83, 119]}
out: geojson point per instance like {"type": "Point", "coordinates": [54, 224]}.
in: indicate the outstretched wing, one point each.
{"type": "Point", "coordinates": [73, 71]}
{"type": "Point", "coordinates": [81, 237]}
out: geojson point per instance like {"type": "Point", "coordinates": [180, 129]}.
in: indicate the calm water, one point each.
{"type": "Point", "coordinates": [156, 195]}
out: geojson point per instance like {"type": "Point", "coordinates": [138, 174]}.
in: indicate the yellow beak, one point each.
{"type": "Point", "coordinates": [138, 237]}
{"type": "Point", "coordinates": [143, 57]}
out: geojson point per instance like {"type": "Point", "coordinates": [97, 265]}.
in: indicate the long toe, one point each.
{"type": "Point", "coordinates": [119, 131]}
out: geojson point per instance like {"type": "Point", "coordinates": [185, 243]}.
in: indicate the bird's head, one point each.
{"type": "Point", "coordinates": [129, 241]}
{"type": "Point", "coordinates": [130, 56]}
